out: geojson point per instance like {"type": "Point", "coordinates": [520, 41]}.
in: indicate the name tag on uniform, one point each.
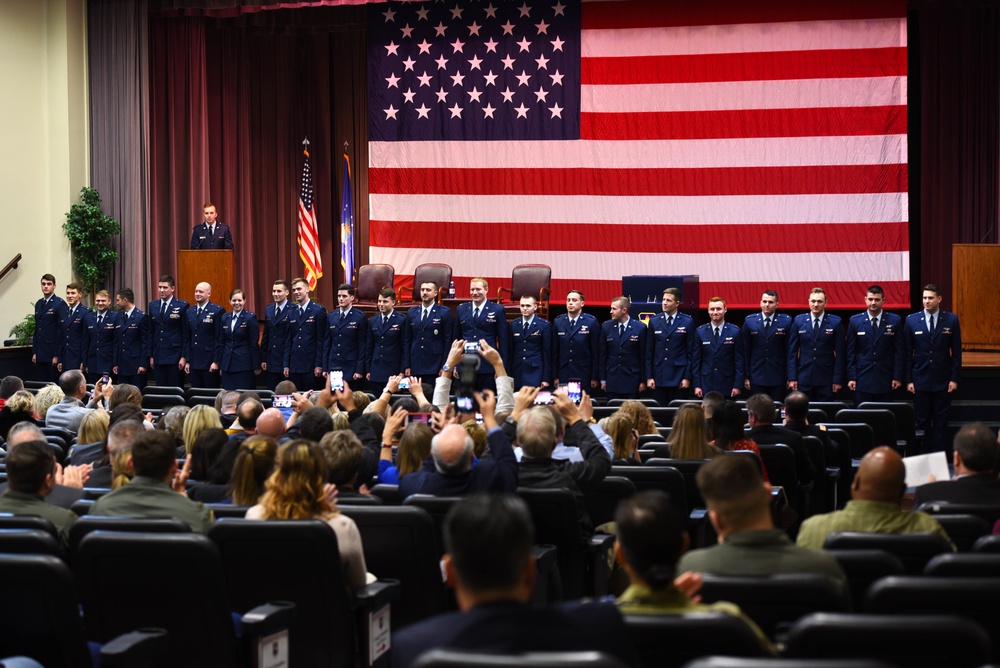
{"type": "Point", "coordinates": [706, 343]}
{"type": "Point", "coordinates": [917, 333]}
{"type": "Point", "coordinates": [802, 331]}
{"type": "Point", "coordinates": [863, 333]}
{"type": "Point", "coordinates": [517, 333]}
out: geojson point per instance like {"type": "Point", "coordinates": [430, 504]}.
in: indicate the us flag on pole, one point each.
{"type": "Point", "coordinates": [308, 232]}
{"type": "Point", "coordinates": [757, 145]}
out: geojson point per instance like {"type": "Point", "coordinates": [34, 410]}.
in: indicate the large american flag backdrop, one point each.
{"type": "Point", "coordinates": [757, 145]}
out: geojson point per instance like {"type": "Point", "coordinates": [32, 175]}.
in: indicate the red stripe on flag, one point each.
{"type": "Point", "coordinates": [800, 238]}
{"type": "Point", "coordinates": [635, 13]}
{"type": "Point", "coordinates": [643, 182]}
{"type": "Point", "coordinates": [755, 123]}
{"type": "Point", "coordinates": [769, 66]}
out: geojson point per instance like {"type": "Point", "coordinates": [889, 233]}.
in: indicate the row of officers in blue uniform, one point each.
{"type": "Point", "coordinates": [872, 355]}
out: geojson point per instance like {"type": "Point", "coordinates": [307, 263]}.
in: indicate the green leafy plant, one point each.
{"type": "Point", "coordinates": [89, 232]}
{"type": "Point", "coordinates": [24, 330]}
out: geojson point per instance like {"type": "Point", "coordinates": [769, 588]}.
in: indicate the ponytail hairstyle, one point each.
{"type": "Point", "coordinates": [121, 472]}
{"type": "Point", "coordinates": [254, 463]}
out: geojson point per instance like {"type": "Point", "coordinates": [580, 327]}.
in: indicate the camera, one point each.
{"type": "Point", "coordinates": [465, 400]}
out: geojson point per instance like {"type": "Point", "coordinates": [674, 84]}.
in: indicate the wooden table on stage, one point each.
{"type": "Point", "coordinates": [975, 272]}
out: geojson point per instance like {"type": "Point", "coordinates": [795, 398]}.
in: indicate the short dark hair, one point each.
{"type": "Point", "coordinates": [582, 298]}
{"type": "Point", "coordinates": [976, 444]}
{"type": "Point", "coordinates": [127, 295]}
{"type": "Point", "coordinates": [875, 290]}
{"type": "Point", "coordinates": [248, 412]}
{"type": "Point", "coordinates": [389, 293]}
{"type": "Point", "coordinates": [651, 536]}
{"type": "Point", "coordinates": [676, 292]}
{"type": "Point", "coordinates": [74, 286]}
{"type": "Point", "coordinates": [27, 466]}
{"type": "Point", "coordinates": [168, 279]}
{"type": "Point", "coordinates": [315, 423]}
{"type": "Point", "coordinates": [489, 538]}
{"type": "Point", "coordinates": [761, 406]}
{"type": "Point", "coordinates": [772, 293]}
{"type": "Point", "coordinates": [797, 406]}
{"type": "Point", "coordinates": [48, 277]}
{"type": "Point", "coordinates": [733, 487]}
{"type": "Point", "coordinates": [434, 283]}
{"type": "Point", "coordinates": [932, 287]}
{"type": "Point", "coordinates": [282, 282]}
{"type": "Point", "coordinates": [153, 453]}
{"type": "Point", "coordinates": [69, 381]}
{"type": "Point", "coordinates": [346, 286]}
{"type": "Point", "coordinates": [9, 385]}
{"type": "Point", "coordinates": [285, 387]}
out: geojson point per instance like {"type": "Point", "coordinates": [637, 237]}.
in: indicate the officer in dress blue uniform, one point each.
{"type": "Point", "coordinates": [874, 351]}
{"type": "Point", "coordinates": [50, 312]}
{"type": "Point", "coordinates": [576, 341]}
{"type": "Point", "coordinates": [276, 323]}
{"type": "Point", "coordinates": [428, 336]}
{"type": "Point", "coordinates": [74, 338]}
{"type": "Point", "coordinates": [131, 341]}
{"type": "Point", "coordinates": [306, 346]}
{"type": "Point", "coordinates": [347, 339]}
{"type": "Point", "coordinates": [386, 337]}
{"type": "Point", "coordinates": [168, 317]}
{"type": "Point", "coordinates": [211, 234]}
{"type": "Point", "coordinates": [483, 319]}
{"type": "Point", "coordinates": [100, 329]}
{"type": "Point", "coordinates": [623, 349]}
{"type": "Point", "coordinates": [816, 351]}
{"type": "Point", "coordinates": [932, 364]}
{"type": "Point", "coordinates": [713, 358]}
{"type": "Point", "coordinates": [204, 328]}
{"type": "Point", "coordinates": [669, 342]}
{"type": "Point", "coordinates": [238, 354]}
{"type": "Point", "coordinates": [530, 347]}
{"type": "Point", "coordinates": [763, 359]}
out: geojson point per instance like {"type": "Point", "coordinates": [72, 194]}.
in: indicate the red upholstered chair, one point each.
{"type": "Point", "coordinates": [527, 279]}
{"type": "Point", "coordinates": [370, 279]}
{"type": "Point", "coordinates": [432, 271]}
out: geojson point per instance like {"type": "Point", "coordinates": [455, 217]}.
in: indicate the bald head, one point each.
{"type": "Point", "coordinates": [271, 423]}
{"type": "Point", "coordinates": [881, 477]}
{"type": "Point", "coordinates": [452, 450]}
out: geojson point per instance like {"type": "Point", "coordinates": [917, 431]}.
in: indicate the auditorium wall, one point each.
{"type": "Point", "coordinates": [43, 143]}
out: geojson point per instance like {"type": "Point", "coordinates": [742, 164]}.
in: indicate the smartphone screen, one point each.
{"type": "Point", "coordinates": [105, 379]}
{"type": "Point", "coordinates": [404, 384]}
{"type": "Point", "coordinates": [543, 397]}
{"type": "Point", "coordinates": [418, 417]}
{"type": "Point", "coordinates": [472, 347]}
{"type": "Point", "coordinates": [336, 380]}
{"type": "Point", "coordinates": [574, 391]}
{"type": "Point", "coordinates": [282, 401]}
{"type": "Point", "coordinates": [464, 404]}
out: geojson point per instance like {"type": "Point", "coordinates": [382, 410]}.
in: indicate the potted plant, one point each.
{"type": "Point", "coordinates": [23, 331]}
{"type": "Point", "coordinates": [89, 232]}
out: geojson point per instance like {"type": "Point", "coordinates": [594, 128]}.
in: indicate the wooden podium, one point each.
{"type": "Point", "coordinates": [975, 275]}
{"type": "Point", "coordinates": [215, 267]}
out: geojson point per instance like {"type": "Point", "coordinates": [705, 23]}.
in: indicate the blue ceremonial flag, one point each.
{"type": "Point", "coordinates": [347, 224]}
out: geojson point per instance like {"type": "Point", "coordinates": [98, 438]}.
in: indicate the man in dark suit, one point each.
{"type": "Point", "coordinates": [74, 338]}
{"type": "Point", "coordinates": [384, 355]}
{"type": "Point", "coordinates": [428, 336]}
{"type": "Point", "coordinates": [623, 351]}
{"type": "Point", "coordinates": [305, 349]}
{"type": "Point", "coordinates": [131, 341]}
{"type": "Point", "coordinates": [763, 431]}
{"type": "Point", "coordinates": [713, 358]}
{"type": "Point", "coordinates": [211, 234]}
{"type": "Point", "coordinates": [483, 319]}
{"type": "Point", "coordinates": [204, 330]}
{"type": "Point", "coordinates": [669, 339]}
{"type": "Point", "coordinates": [530, 347]}
{"type": "Point", "coordinates": [488, 539]}
{"type": "Point", "coordinates": [816, 357]}
{"type": "Point", "coordinates": [100, 327]}
{"type": "Point", "coordinates": [975, 478]}
{"type": "Point", "coordinates": [932, 364]}
{"type": "Point", "coordinates": [576, 341]}
{"type": "Point", "coordinates": [272, 345]}
{"type": "Point", "coordinates": [764, 359]}
{"type": "Point", "coordinates": [50, 313]}
{"type": "Point", "coordinates": [346, 339]}
{"type": "Point", "coordinates": [167, 341]}
{"type": "Point", "coordinates": [874, 351]}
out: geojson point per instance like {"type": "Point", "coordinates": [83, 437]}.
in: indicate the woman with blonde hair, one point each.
{"type": "Point", "coordinates": [254, 464]}
{"type": "Point", "coordinates": [198, 420]}
{"type": "Point", "coordinates": [642, 419]}
{"type": "Point", "coordinates": [689, 436]}
{"type": "Point", "coordinates": [121, 472]}
{"type": "Point", "coordinates": [93, 427]}
{"type": "Point", "coordinates": [47, 397]}
{"type": "Point", "coordinates": [296, 491]}
{"type": "Point", "coordinates": [625, 438]}
{"type": "Point", "coordinates": [20, 407]}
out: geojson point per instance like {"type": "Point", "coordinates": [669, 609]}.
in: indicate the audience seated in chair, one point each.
{"type": "Point", "coordinates": [8, 386]}
{"type": "Point", "coordinates": [876, 493]}
{"type": "Point", "coordinates": [254, 465]}
{"type": "Point", "coordinates": [488, 539]}
{"type": "Point", "coordinates": [298, 490]}
{"type": "Point", "coordinates": [69, 412]}
{"type": "Point", "coordinates": [342, 453]}
{"type": "Point", "coordinates": [20, 407]}
{"type": "Point", "coordinates": [31, 476]}
{"type": "Point", "coordinates": [651, 538]}
{"type": "Point", "coordinates": [126, 424]}
{"type": "Point", "coordinates": [739, 507]}
{"type": "Point", "coordinates": [975, 459]}
{"type": "Point", "coordinates": [761, 413]}
{"type": "Point", "coordinates": [153, 492]}
{"type": "Point", "coordinates": [69, 481]}
{"type": "Point", "coordinates": [689, 436]}
{"type": "Point", "coordinates": [414, 448]}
